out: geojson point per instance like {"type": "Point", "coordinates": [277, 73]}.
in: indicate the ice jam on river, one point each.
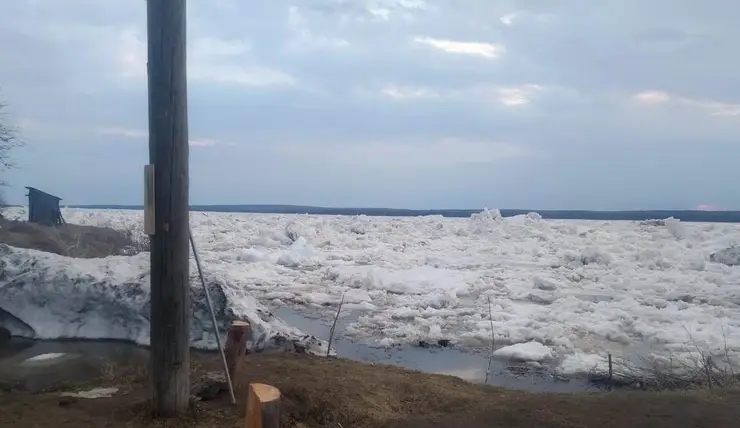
{"type": "Point", "coordinates": [566, 292]}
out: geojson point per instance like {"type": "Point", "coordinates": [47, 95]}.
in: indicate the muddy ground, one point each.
{"type": "Point", "coordinates": [320, 392]}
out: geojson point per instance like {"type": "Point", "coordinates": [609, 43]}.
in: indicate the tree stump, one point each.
{"type": "Point", "coordinates": [263, 406]}
{"type": "Point", "coordinates": [236, 350]}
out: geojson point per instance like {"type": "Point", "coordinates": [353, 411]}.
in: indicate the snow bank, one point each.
{"type": "Point", "coordinates": [583, 288]}
{"type": "Point", "coordinates": [47, 296]}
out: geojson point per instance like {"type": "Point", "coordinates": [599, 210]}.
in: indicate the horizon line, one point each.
{"type": "Point", "coordinates": [314, 207]}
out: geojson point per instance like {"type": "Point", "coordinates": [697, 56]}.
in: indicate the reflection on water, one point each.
{"type": "Point", "coordinates": [431, 360]}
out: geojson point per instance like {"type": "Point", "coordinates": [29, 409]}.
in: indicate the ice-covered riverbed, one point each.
{"type": "Point", "coordinates": [580, 288]}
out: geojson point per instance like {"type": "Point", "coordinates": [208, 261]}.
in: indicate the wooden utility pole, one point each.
{"type": "Point", "coordinates": [168, 152]}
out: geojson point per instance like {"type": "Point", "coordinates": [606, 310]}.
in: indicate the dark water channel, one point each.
{"type": "Point", "coordinates": [36, 365]}
{"type": "Point", "coordinates": [433, 359]}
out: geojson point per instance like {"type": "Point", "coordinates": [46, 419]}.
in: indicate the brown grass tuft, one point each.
{"type": "Point", "coordinates": [72, 240]}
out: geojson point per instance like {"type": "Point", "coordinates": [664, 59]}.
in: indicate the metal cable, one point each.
{"type": "Point", "coordinates": [213, 317]}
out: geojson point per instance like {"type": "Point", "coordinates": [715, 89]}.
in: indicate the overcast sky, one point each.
{"type": "Point", "coordinates": [395, 103]}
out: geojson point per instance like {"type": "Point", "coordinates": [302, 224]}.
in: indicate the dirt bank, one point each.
{"type": "Point", "coordinates": [70, 240]}
{"type": "Point", "coordinates": [340, 393]}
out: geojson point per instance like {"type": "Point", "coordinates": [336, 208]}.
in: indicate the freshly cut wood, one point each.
{"type": "Point", "coordinates": [236, 350]}
{"type": "Point", "coordinates": [263, 406]}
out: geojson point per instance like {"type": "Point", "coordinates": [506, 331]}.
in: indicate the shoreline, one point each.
{"type": "Point", "coordinates": [440, 361]}
{"type": "Point", "coordinates": [321, 392]}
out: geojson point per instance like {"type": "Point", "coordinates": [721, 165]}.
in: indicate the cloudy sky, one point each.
{"type": "Point", "coordinates": [397, 103]}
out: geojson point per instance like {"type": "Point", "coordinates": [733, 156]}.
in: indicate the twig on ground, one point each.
{"type": "Point", "coordinates": [708, 369]}
{"type": "Point", "coordinates": [63, 248]}
{"type": "Point", "coordinates": [693, 342]}
{"type": "Point", "coordinates": [727, 351]}
{"type": "Point", "coordinates": [334, 325]}
{"type": "Point", "coordinates": [138, 242]}
{"type": "Point", "coordinates": [109, 371]}
{"type": "Point", "coordinates": [73, 246]}
{"type": "Point", "coordinates": [697, 370]}
{"type": "Point", "coordinates": [493, 339]}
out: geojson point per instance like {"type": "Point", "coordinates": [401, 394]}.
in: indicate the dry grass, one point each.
{"type": "Point", "coordinates": [72, 240]}
{"type": "Point", "coordinates": [697, 369]}
{"type": "Point", "coordinates": [660, 374]}
{"type": "Point", "coordinates": [320, 392]}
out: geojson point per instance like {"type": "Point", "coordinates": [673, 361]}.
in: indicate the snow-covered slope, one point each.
{"type": "Point", "coordinates": [581, 288]}
{"type": "Point", "coordinates": [49, 296]}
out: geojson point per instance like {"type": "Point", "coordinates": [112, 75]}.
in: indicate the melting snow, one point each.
{"type": "Point", "coordinates": [92, 393]}
{"type": "Point", "coordinates": [576, 289]}
{"type": "Point", "coordinates": [44, 357]}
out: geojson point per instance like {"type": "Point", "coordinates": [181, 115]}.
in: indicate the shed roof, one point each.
{"type": "Point", "coordinates": [33, 189]}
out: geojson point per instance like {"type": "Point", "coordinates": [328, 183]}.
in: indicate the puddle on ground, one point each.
{"type": "Point", "coordinates": [34, 365]}
{"type": "Point", "coordinates": [439, 360]}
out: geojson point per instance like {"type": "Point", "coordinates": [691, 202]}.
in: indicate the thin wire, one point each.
{"type": "Point", "coordinates": [213, 318]}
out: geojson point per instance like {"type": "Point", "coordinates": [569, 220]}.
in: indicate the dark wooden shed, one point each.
{"type": "Point", "coordinates": [43, 208]}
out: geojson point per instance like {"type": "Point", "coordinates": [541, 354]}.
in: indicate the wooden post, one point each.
{"type": "Point", "coordinates": [263, 406]}
{"type": "Point", "coordinates": [236, 350]}
{"type": "Point", "coordinates": [168, 152]}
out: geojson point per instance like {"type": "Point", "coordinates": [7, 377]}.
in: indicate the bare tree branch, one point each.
{"type": "Point", "coordinates": [8, 141]}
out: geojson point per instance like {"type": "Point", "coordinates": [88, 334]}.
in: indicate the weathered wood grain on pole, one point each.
{"type": "Point", "coordinates": [263, 406]}
{"type": "Point", "coordinates": [168, 152]}
{"type": "Point", "coordinates": [236, 350]}
{"type": "Point", "coordinates": [149, 228]}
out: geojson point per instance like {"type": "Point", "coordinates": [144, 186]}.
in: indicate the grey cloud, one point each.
{"type": "Point", "coordinates": [679, 46]}
{"type": "Point", "coordinates": [295, 82]}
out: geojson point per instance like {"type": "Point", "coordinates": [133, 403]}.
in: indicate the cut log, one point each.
{"type": "Point", "coordinates": [263, 406]}
{"type": "Point", "coordinates": [236, 350]}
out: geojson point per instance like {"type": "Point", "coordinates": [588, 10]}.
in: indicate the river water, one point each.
{"type": "Point", "coordinates": [75, 360]}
